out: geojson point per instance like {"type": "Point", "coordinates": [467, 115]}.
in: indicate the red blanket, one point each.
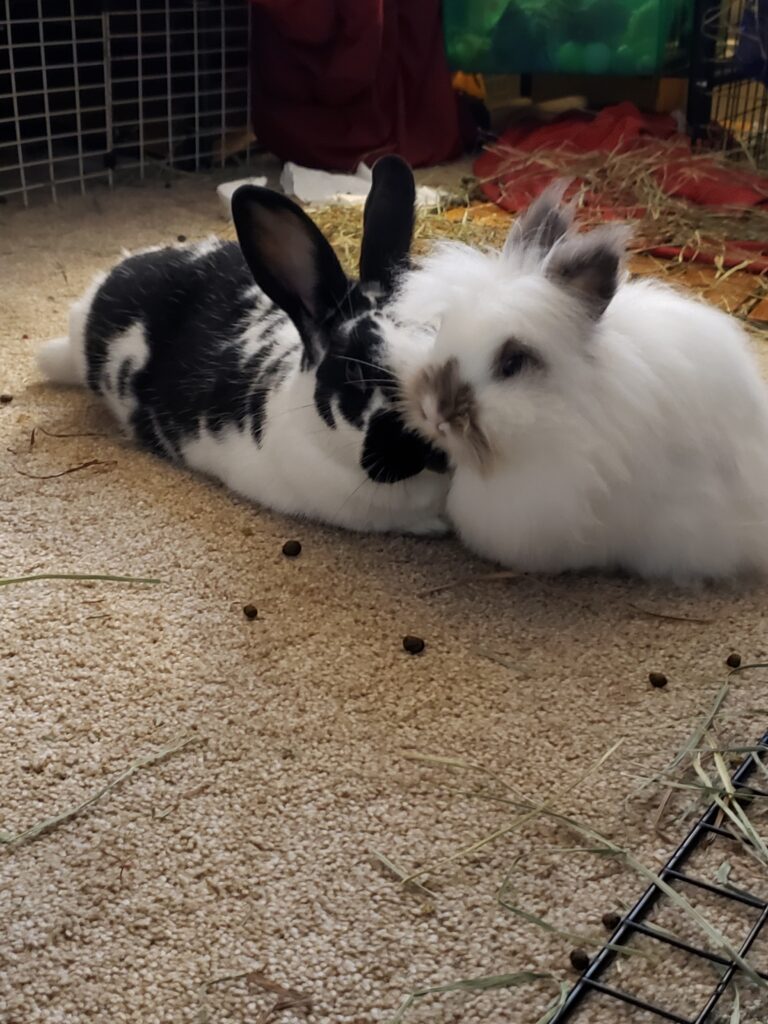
{"type": "Point", "coordinates": [511, 178]}
{"type": "Point", "coordinates": [340, 81]}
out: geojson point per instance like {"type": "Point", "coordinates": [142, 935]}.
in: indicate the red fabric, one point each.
{"type": "Point", "coordinates": [340, 81]}
{"type": "Point", "coordinates": [511, 179]}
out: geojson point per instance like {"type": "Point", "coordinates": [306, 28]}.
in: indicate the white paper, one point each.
{"type": "Point", "coordinates": [326, 188]}
{"type": "Point", "coordinates": [227, 189]}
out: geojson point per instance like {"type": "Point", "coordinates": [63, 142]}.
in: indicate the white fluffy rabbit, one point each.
{"type": "Point", "coordinates": [592, 421]}
{"type": "Point", "coordinates": [261, 364]}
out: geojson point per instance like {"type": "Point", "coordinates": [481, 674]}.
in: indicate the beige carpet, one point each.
{"type": "Point", "coordinates": [248, 852]}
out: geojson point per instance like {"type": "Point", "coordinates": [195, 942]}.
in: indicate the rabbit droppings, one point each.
{"type": "Point", "coordinates": [592, 421]}
{"type": "Point", "coordinates": [262, 365]}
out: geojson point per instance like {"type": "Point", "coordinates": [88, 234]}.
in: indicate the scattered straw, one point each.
{"type": "Point", "coordinates": [477, 577]}
{"type": "Point", "coordinates": [669, 616]}
{"type": "Point", "coordinates": [736, 1011]}
{"type": "Point", "coordinates": [607, 847]}
{"type": "Point", "coordinates": [75, 433]}
{"type": "Point", "coordinates": [714, 786]}
{"type": "Point", "coordinates": [399, 874]}
{"type": "Point", "coordinates": [6, 581]}
{"type": "Point", "coordinates": [285, 998]}
{"type": "Point", "coordinates": [633, 182]}
{"type": "Point", "coordinates": [102, 464]}
{"type": "Point", "coordinates": [497, 658]}
{"type": "Point", "coordinates": [49, 824]}
{"type": "Point", "coordinates": [727, 800]}
{"type": "Point", "coordinates": [572, 936]}
{"type": "Point", "coordinates": [342, 226]}
{"type": "Point", "coordinates": [715, 936]}
{"type": "Point", "coordinates": [684, 757]}
{"type": "Point", "coordinates": [668, 222]}
{"type": "Point", "coordinates": [531, 812]}
{"type": "Point", "coordinates": [488, 983]}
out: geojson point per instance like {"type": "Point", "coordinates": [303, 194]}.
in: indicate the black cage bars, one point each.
{"type": "Point", "coordinates": [673, 873]}
{"type": "Point", "coordinates": [727, 95]}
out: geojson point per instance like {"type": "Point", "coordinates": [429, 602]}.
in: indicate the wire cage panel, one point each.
{"type": "Point", "coordinates": [90, 89]}
{"type": "Point", "coordinates": [729, 87]}
{"type": "Point", "coordinates": [682, 874]}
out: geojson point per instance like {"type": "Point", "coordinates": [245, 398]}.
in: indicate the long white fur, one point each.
{"type": "Point", "coordinates": [643, 445]}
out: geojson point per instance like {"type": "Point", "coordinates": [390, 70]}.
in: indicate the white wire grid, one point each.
{"type": "Point", "coordinates": [92, 90]}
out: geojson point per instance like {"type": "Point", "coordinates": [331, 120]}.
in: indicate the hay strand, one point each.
{"type": "Point", "coordinates": [6, 581]}
{"type": "Point", "coordinates": [49, 824]}
{"type": "Point", "coordinates": [635, 183]}
{"type": "Point", "coordinates": [531, 812]}
{"type": "Point", "coordinates": [486, 983]}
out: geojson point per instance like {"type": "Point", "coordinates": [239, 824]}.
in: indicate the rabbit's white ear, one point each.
{"type": "Point", "coordinates": [589, 266]}
{"type": "Point", "coordinates": [545, 222]}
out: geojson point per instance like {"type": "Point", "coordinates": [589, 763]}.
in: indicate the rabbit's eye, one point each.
{"type": "Point", "coordinates": [512, 364]}
{"type": "Point", "coordinates": [512, 358]}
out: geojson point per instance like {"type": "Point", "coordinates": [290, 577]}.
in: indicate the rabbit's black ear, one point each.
{"type": "Point", "coordinates": [290, 259]}
{"type": "Point", "coordinates": [543, 224]}
{"type": "Point", "coordinates": [387, 222]}
{"type": "Point", "coordinates": [589, 266]}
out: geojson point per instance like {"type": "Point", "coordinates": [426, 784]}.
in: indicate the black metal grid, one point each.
{"type": "Point", "coordinates": [727, 94]}
{"type": "Point", "coordinates": [633, 923]}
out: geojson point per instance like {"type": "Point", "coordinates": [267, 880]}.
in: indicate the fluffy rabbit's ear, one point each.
{"type": "Point", "coordinates": [543, 224]}
{"type": "Point", "coordinates": [290, 260]}
{"type": "Point", "coordinates": [590, 266]}
{"type": "Point", "coordinates": [387, 222]}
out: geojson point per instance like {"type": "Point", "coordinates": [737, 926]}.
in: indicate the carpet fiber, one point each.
{"type": "Point", "coordinates": [245, 862]}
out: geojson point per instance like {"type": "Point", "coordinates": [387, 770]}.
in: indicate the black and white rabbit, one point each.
{"type": "Point", "coordinates": [262, 365]}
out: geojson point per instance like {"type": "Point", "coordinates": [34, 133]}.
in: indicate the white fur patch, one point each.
{"type": "Point", "coordinates": [130, 345]}
{"type": "Point", "coordinates": [202, 249]}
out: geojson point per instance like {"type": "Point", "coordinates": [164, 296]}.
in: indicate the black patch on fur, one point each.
{"type": "Point", "coordinates": [193, 310]}
{"type": "Point", "coordinates": [349, 373]}
{"type": "Point", "coordinates": [436, 461]}
{"type": "Point", "coordinates": [122, 377]}
{"type": "Point", "coordinates": [323, 404]}
{"type": "Point", "coordinates": [144, 430]}
{"type": "Point", "coordinates": [393, 453]}
{"type": "Point", "coordinates": [272, 373]}
{"type": "Point", "coordinates": [353, 372]}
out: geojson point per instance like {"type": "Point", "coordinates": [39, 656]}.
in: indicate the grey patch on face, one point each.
{"type": "Point", "coordinates": [106, 381]}
{"type": "Point", "coordinates": [455, 399]}
{"type": "Point", "coordinates": [513, 358]}
{"type": "Point", "coordinates": [456, 404]}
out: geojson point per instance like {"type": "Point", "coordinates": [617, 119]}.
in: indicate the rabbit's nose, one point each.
{"type": "Point", "coordinates": [430, 412]}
